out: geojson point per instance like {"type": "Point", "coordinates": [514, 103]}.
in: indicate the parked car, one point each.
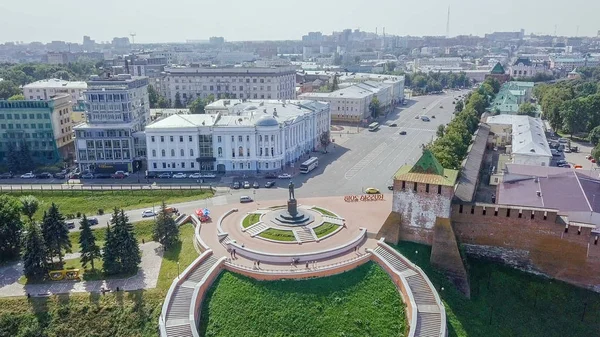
{"type": "Point", "coordinates": [284, 176]}
{"type": "Point", "coordinates": [246, 184]}
{"type": "Point", "coordinates": [102, 176]}
{"type": "Point", "coordinates": [425, 119]}
{"type": "Point", "coordinates": [390, 187]}
{"type": "Point", "coordinates": [148, 213]}
{"type": "Point", "coordinates": [195, 175]}
{"type": "Point", "coordinates": [403, 133]}
{"type": "Point", "coordinates": [87, 176]}
{"type": "Point", "coordinates": [562, 140]}
{"type": "Point", "coordinates": [372, 190]}
{"type": "Point", "coordinates": [92, 221]}
{"type": "Point", "coordinates": [236, 185]}
{"type": "Point", "coordinates": [393, 125]}
{"type": "Point", "coordinates": [6, 175]}
{"type": "Point", "coordinates": [179, 176]}
{"type": "Point", "coordinates": [208, 175]}
{"type": "Point", "coordinates": [70, 224]}
{"type": "Point", "coordinates": [44, 175]}
{"type": "Point", "coordinates": [269, 184]}
{"type": "Point", "coordinates": [270, 176]}
{"type": "Point", "coordinates": [119, 175]}
{"type": "Point", "coordinates": [432, 116]}
{"type": "Point", "coordinates": [164, 175]}
{"type": "Point", "coordinates": [245, 198]}
{"type": "Point", "coordinates": [59, 175]}
{"type": "Point", "coordinates": [28, 175]}
{"type": "Point", "coordinates": [441, 106]}
{"type": "Point", "coordinates": [567, 150]}
{"type": "Point", "coordinates": [256, 185]}
{"type": "Point", "coordinates": [555, 153]}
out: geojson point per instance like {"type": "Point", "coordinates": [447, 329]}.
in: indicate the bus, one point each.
{"type": "Point", "coordinates": [309, 165]}
{"type": "Point", "coordinates": [373, 126]}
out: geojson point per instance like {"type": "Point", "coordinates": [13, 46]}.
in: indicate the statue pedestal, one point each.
{"type": "Point", "coordinates": [292, 207]}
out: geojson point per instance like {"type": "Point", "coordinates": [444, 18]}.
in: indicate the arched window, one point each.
{"type": "Point", "coordinates": [220, 152]}
{"type": "Point", "coordinates": [241, 151]}
{"type": "Point", "coordinates": [191, 152]}
{"type": "Point", "coordinates": [182, 152]}
{"type": "Point", "coordinates": [172, 153]}
{"type": "Point", "coordinates": [153, 153]}
{"type": "Point", "coordinates": [162, 152]}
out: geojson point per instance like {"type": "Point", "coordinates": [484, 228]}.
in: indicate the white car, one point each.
{"type": "Point", "coordinates": [208, 175]}
{"type": "Point", "coordinates": [245, 198]}
{"type": "Point", "coordinates": [284, 176]}
{"type": "Point", "coordinates": [179, 176]}
{"type": "Point", "coordinates": [28, 175]}
{"type": "Point", "coordinates": [195, 176]}
{"type": "Point", "coordinates": [148, 213]}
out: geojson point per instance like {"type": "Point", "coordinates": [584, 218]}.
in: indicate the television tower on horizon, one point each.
{"type": "Point", "coordinates": [448, 24]}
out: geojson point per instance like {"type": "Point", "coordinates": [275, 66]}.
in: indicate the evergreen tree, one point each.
{"type": "Point", "coordinates": [165, 229]}
{"type": "Point", "coordinates": [128, 250]}
{"type": "Point", "coordinates": [12, 159]}
{"type": "Point", "coordinates": [109, 257]}
{"type": "Point", "coordinates": [178, 104]}
{"type": "Point", "coordinates": [87, 242]}
{"type": "Point", "coordinates": [29, 205]}
{"type": "Point", "coordinates": [26, 163]}
{"type": "Point", "coordinates": [34, 259]}
{"type": "Point", "coordinates": [10, 228]}
{"type": "Point", "coordinates": [55, 233]}
{"type": "Point", "coordinates": [335, 86]}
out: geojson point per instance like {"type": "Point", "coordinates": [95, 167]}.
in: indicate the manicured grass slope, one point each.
{"type": "Point", "coordinates": [82, 315]}
{"type": "Point", "coordinates": [88, 202]}
{"type": "Point", "coordinates": [520, 304]}
{"type": "Point", "coordinates": [324, 229]}
{"type": "Point", "coordinates": [361, 302]}
{"type": "Point", "coordinates": [278, 235]}
{"type": "Point", "coordinates": [183, 252]}
{"type": "Point", "coordinates": [250, 220]}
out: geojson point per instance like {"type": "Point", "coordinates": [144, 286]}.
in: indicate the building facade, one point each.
{"type": "Point", "coordinates": [244, 83]}
{"type": "Point", "coordinates": [45, 89]}
{"type": "Point", "coordinates": [45, 126]}
{"type": "Point", "coordinates": [525, 67]}
{"type": "Point", "coordinates": [349, 104]}
{"type": "Point", "coordinates": [117, 112]}
{"type": "Point", "coordinates": [247, 137]}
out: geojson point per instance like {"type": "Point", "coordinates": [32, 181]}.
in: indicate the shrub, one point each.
{"type": "Point", "coordinates": [100, 211]}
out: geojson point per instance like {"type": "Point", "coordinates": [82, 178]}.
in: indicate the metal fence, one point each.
{"type": "Point", "coordinates": [72, 188]}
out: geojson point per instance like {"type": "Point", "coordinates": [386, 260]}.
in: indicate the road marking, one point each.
{"type": "Point", "coordinates": [365, 161]}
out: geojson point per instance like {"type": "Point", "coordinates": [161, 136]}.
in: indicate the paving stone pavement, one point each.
{"type": "Point", "coordinates": [146, 278]}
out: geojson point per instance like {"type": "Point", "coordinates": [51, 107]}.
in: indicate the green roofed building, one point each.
{"type": "Point", "coordinates": [422, 193]}
{"type": "Point", "coordinates": [498, 72]}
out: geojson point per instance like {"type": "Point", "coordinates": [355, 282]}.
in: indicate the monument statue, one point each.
{"type": "Point", "coordinates": [291, 189]}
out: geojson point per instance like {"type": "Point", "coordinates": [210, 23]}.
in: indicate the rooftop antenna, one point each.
{"type": "Point", "coordinates": [448, 24]}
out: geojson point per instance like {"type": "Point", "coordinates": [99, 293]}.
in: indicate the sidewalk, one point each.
{"type": "Point", "coordinates": [146, 278]}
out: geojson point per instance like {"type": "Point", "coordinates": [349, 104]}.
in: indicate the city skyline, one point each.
{"type": "Point", "coordinates": [271, 20]}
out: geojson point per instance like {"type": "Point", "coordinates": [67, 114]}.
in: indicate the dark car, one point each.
{"type": "Point", "coordinates": [403, 133]}
{"type": "Point", "coordinates": [269, 184]}
{"type": "Point", "coordinates": [236, 185]}
{"type": "Point", "coordinates": [70, 224]}
{"type": "Point", "coordinates": [255, 185]}
{"type": "Point", "coordinates": [6, 175]}
{"type": "Point", "coordinates": [164, 175]}
{"type": "Point", "coordinates": [390, 187]}
{"type": "Point", "coordinates": [44, 175]}
{"type": "Point", "coordinates": [271, 176]}
{"type": "Point", "coordinates": [103, 175]}
{"type": "Point", "coordinates": [92, 221]}
{"type": "Point", "coordinates": [60, 175]}
{"type": "Point", "coordinates": [393, 125]}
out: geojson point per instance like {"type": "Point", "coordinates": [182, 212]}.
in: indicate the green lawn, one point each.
{"type": "Point", "coordinates": [184, 253]}
{"type": "Point", "coordinates": [82, 315]}
{"type": "Point", "coordinates": [324, 229]}
{"type": "Point", "coordinates": [142, 230]}
{"type": "Point", "coordinates": [250, 220]}
{"type": "Point", "coordinates": [278, 235]}
{"type": "Point", "coordinates": [519, 304]}
{"type": "Point", "coordinates": [361, 302]}
{"type": "Point", "coordinates": [88, 202]}
{"type": "Point", "coordinates": [324, 211]}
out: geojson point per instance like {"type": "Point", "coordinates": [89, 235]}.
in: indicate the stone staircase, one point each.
{"type": "Point", "coordinates": [177, 318]}
{"type": "Point", "coordinates": [304, 235]}
{"type": "Point", "coordinates": [226, 240]}
{"type": "Point", "coordinates": [257, 228]}
{"type": "Point", "coordinates": [333, 220]}
{"type": "Point", "coordinates": [430, 320]}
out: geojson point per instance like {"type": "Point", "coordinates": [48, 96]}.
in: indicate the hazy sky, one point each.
{"type": "Point", "coordinates": [178, 20]}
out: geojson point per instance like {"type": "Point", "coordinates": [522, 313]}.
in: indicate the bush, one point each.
{"type": "Point", "coordinates": [78, 214]}
{"type": "Point", "coordinates": [100, 211]}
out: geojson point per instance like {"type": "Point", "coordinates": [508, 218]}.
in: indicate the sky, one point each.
{"type": "Point", "coordinates": [235, 20]}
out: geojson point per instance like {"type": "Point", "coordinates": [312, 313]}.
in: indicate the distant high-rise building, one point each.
{"type": "Point", "coordinates": [121, 42]}
{"type": "Point", "coordinates": [216, 40]}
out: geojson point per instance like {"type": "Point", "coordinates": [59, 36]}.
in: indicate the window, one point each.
{"type": "Point", "coordinates": [272, 151]}
{"type": "Point", "coordinates": [460, 208]}
{"type": "Point", "coordinates": [220, 152]}
{"type": "Point", "coordinates": [272, 138]}
{"type": "Point", "coordinates": [190, 138]}
{"type": "Point", "coordinates": [232, 139]}
{"type": "Point", "coordinates": [152, 139]}
{"type": "Point", "coordinates": [162, 153]}
{"type": "Point", "coordinates": [219, 139]}
{"type": "Point", "coordinates": [426, 188]}
{"type": "Point", "coordinates": [439, 189]}
{"type": "Point", "coordinates": [153, 153]}
{"type": "Point", "coordinates": [171, 138]}
{"type": "Point", "coordinates": [233, 166]}
{"type": "Point", "coordinates": [191, 152]}
{"type": "Point", "coordinates": [247, 138]}
{"type": "Point", "coordinates": [182, 152]}
{"type": "Point", "coordinates": [182, 164]}
{"type": "Point", "coordinates": [233, 152]}
{"type": "Point", "coordinates": [261, 151]}
{"type": "Point", "coordinates": [192, 164]}
{"type": "Point", "coordinates": [164, 165]}
{"type": "Point", "coordinates": [415, 187]}
{"type": "Point", "coordinates": [403, 184]}
{"type": "Point", "coordinates": [241, 151]}
{"type": "Point", "coordinates": [248, 152]}
{"type": "Point", "coordinates": [172, 153]}
{"type": "Point", "coordinates": [240, 138]}
{"type": "Point", "coordinates": [162, 139]}
{"type": "Point", "coordinates": [181, 139]}
{"type": "Point", "coordinates": [266, 165]}
{"type": "Point", "coordinates": [153, 165]}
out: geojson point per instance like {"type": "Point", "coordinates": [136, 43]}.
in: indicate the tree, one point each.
{"type": "Point", "coordinates": [528, 109]}
{"type": "Point", "coordinates": [209, 99]}
{"type": "Point", "coordinates": [55, 233]}
{"type": "Point", "coordinates": [153, 97]}
{"type": "Point", "coordinates": [109, 253]}
{"type": "Point", "coordinates": [12, 158]}
{"type": "Point", "coordinates": [166, 231]}
{"type": "Point", "coordinates": [440, 131]}
{"type": "Point", "coordinates": [26, 163]}
{"type": "Point", "coordinates": [11, 228]}
{"type": "Point", "coordinates": [459, 106]}
{"type": "Point", "coordinates": [163, 103]}
{"type": "Point", "coordinates": [325, 139]}
{"type": "Point", "coordinates": [197, 106]}
{"type": "Point", "coordinates": [29, 205]}
{"type": "Point", "coordinates": [34, 257]}
{"type": "Point", "coordinates": [8, 89]}
{"type": "Point", "coordinates": [374, 107]}
{"type": "Point", "coordinates": [178, 104]}
{"type": "Point", "coordinates": [121, 251]}
{"type": "Point", "coordinates": [335, 85]}
{"type": "Point", "coordinates": [594, 135]}
{"type": "Point", "coordinates": [87, 242]}
{"type": "Point", "coordinates": [17, 97]}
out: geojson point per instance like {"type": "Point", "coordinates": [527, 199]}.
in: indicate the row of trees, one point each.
{"type": "Point", "coordinates": [435, 81]}
{"type": "Point", "coordinates": [19, 159]}
{"type": "Point", "coordinates": [451, 146]}
{"type": "Point", "coordinates": [16, 75]}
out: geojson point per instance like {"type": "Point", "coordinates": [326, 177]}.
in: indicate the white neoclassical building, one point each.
{"type": "Point", "coordinates": [251, 136]}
